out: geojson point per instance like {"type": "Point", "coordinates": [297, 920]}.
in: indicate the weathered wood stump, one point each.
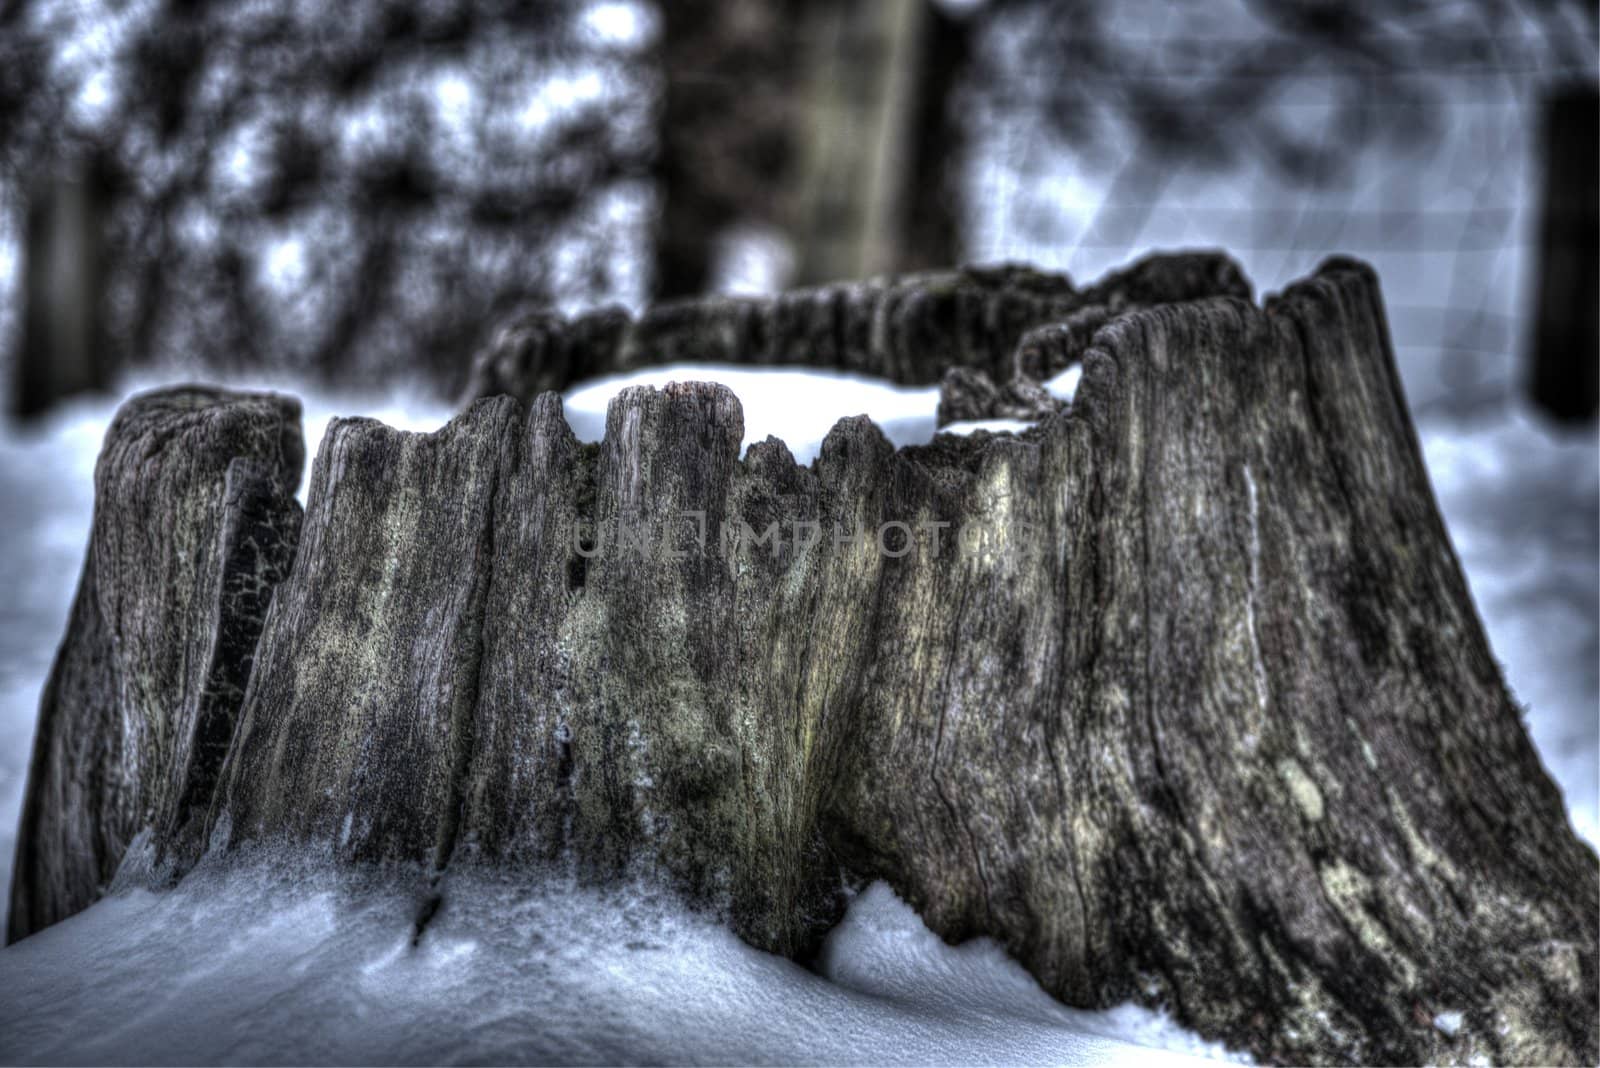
{"type": "Point", "coordinates": [1179, 694]}
{"type": "Point", "coordinates": [194, 524]}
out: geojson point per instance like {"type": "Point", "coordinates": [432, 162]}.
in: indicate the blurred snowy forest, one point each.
{"type": "Point", "coordinates": [360, 191]}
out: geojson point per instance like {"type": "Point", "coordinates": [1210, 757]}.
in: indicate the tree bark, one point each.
{"type": "Point", "coordinates": [1187, 702]}
{"type": "Point", "coordinates": [195, 522]}
{"type": "Point", "coordinates": [1010, 325]}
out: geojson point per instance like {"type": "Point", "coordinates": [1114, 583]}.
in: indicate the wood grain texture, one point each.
{"type": "Point", "coordinates": [973, 323]}
{"type": "Point", "coordinates": [195, 522]}
{"type": "Point", "coordinates": [1180, 694]}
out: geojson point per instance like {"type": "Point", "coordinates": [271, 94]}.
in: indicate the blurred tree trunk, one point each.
{"type": "Point", "coordinates": [933, 230]}
{"type": "Point", "coordinates": [63, 350]}
{"type": "Point", "coordinates": [1565, 383]}
{"type": "Point", "coordinates": [827, 119]}
{"type": "Point", "coordinates": [687, 215]}
{"type": "Point", "coordinates": [877, 149]}
{"type": "Point", "coordinates": [723, 137]}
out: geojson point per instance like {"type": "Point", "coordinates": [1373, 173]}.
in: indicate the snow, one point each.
{"type": "Point", "coordinates": [798, 406]}
{"type": "Point", "coordinates": [274, 960]}
{"type": "Point", "coordinates": [965, 427]}
{"type": "Point", "coordinates": [1064, 386]}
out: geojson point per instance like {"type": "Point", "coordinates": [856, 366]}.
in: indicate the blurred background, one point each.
{"type": "Point", "coordinates": [350, 196]}
{"type": "Point", "coordinates": [360, 190]}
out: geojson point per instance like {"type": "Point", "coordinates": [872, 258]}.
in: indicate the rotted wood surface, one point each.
{"type": "Point", "coordinates": [1179, 694]}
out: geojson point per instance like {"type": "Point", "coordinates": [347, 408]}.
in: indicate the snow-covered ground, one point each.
{"type": "Point", "coordinates": [271, 962]}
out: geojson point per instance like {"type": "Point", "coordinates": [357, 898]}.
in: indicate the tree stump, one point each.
{"type": "Point", "coordinates": [194, 523]}
{"type": "Point", "coordinates": [1179, 694]}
